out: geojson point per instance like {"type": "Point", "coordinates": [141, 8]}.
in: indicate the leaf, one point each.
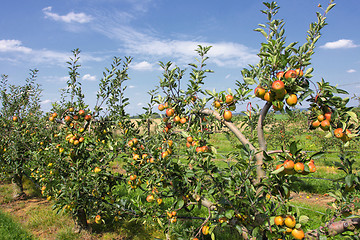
{"type": "Point", "coordinates": [353, 116]}
{"type": "Point", "coordinates": [303, 219]}
{"type": "Point", "coordinates": [277, 171]}
{"type": "Point", "coordinates": [262, 31]}
{"type": "Point", "coordinates": [293, 148]}
{"type": "Point", "coordinates": [349, 180]}
{"type": "Point", "coordinates": [330, 7]}
{"type": "Point", "coordinates": [249, 81]}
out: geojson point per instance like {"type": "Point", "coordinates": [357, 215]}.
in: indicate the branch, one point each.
{"type": "Point", "coordinates": [242, 138]}
{"type": "Point", "coordinates": [335, 228]}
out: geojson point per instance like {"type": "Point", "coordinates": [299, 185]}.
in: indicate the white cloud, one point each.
{"type": "Point", "coordinates": [351, 71]}
{"type": "Point", "coordinates": [16, 52]}
{"type": "Point", "coordinates": [88, 77]}
{"type": "Point", "coordinates": [68, 18]}
{"type": "Point", "coordinates": [131, 86]}
{"type": "Point", "coordinates": [342, 43]}
{"type": "Point", "coordinates": [47, 101]}
{"type": "Point", "coordinates": [13, 46]}
{"type": "Point", "coordinates": [142, 66]}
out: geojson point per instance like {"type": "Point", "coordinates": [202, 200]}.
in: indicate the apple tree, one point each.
{"type": "Point", "coordinates": [250, 194]}
{"type": "Point", "coordinates": [21, 126]}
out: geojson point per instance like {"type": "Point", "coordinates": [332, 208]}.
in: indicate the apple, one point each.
{"type": "Point", "coordinates": [299, 167]}
{"type": "Point", "coordinates": [227, 115]}
{"type": "Point", "coordinates": [170, 112]}
{"type": "Point", "coordinates": [15, 118]}
{"type": "Point", "coordinates": [292, 100]}
{"type": "Point", "coordinates": [81, 112]}
{"type": "Point", "coordinates": [76, 117]}
{"type": "Point", "coordinates": [280, 74]}
{"type": "Point", "coordinates": [289, 164]}
{"type": "Point", "coordinates": [161, 107]}
{"type": "Point", "coordinates": [298, 234]}
{"type": "Point", "coordinates": [269, 96]}
{"type": "Point", "coordinates": [280, 94]}
{"type": "Point", "coordinates": [279, 220]}
{"type": "Point", "coordinates": [88, 117]}
{"type": "Point", "coordinates": [328, 116]}
{"type": "Point", "coordinates": [259, 92]}
{"type": "Point", "coordinates": [290, 74]}
{"type": "Point", "coordinates": [299, 72]}
{"type": "Point", "coordinates": [217, 104]}
{"type": "Point", "coordinates": [183, 120]}
{"type": "Point", "coordinates": [339, 133]}
{"type": "Point", "coordinates": [71, 109]}
{"type": "Point", "coordinates": [229, 99]}
{"type": "Point", "coordinates": [315, 124]}
{"type": "Point", "coordinates": [325, 125]}
{"type": "Point", "coordinates": [189, 139]}
{"type": "Point", "coordinates": [278, 86]}
{"type": "Point", "coordinates": [67, 118]}
{"type": "Point", "coordinates": [98, 219]}
{"type": "Point", "coordinates": [290, 221]}
{"type": "Point", "coordinates": [177, 119]}
{"type": "Point", "coordinates": [321, 117]}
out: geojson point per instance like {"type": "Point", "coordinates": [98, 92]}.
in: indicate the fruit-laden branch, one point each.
{"type": "Point", "coordinates": [241, 138]}
{"type": "Point", "coordinates": [335, 228]}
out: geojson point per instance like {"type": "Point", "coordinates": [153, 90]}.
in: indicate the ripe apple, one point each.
{"type": "Point", "coordinates": [339, 133]}
{"type": "Point", "coordinates": [15, 118]}
{"type": "Point", "coordinates": [290, 74]}
{"type": "Point", "coordinates": [227, 115]}
{"type": "Point", "coordinates": [161, 107]}
{"type": "Point", "coordinates": [177, 119]}
{"type": "Point", "coordinates": [51, 118]}
{"type": "Point", "coordinates": [299, 72]}
{"type": "Point", "coordinates": [278, 86]}
{"type": "Point", "coordinates": [150, 198]}
{"type": "Point", "coordinates": [229, 99]}
{"type": "Point", "coordinates": [67, 118]}
{"type": "Point", "coordinates": [328, 116]}
{"type": "Point", "coordinates": [205, 230]}
{"type": "Point", "coordinates": [299, 167]}
{"type": "Point", "coordinates": [71, 109]}
{"type": "Point", "coordinates": [269, 96]}
{"type": "Point", "coordinates": [259, 92]}
{"type": "Point", "coordinates": [325, 125]}
{"type": "Point", "coordinates": [315, 124]}
{"type": "Point", "coordinates": [98, 219]}
{"type": "Point", "coordinates": [289, 164]}
{"type": "Point", "coordinates": [88, 117]}
{"type": "Point", "coordinates": [280, 74]}
{"type": "Point", "coordinates": [298, 234]}
{"type": "Point", "coordinates": [170, 112]}
{"type": "Point", "coordinates": [76, 117]}
{"type": "Point", "coordinates": [290, 221]}
{"type": "Point", "coordinates": [217, 104]}
{"type": "Point", "coordinates": [292, 100]}
{"type": "Point", "coordinates": [183, 120]}
{"type": "Point", "coordinates": [279, 220]}
{"type": "Point", "coordinates": [81, 112]}
{"type": "Point", "coordinates": [312, 167]}
{"type": "Point", "coordinates": [321, 117]}
{"type": "Point", "coordinates": [189, 139]}
{"type": "Point", "coordinates": [54, 115]}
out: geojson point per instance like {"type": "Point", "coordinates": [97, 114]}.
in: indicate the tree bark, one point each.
{"type": "Point", "coordinates": [18, 188]}
{"type": "Point", "coordinates": [80, 220]}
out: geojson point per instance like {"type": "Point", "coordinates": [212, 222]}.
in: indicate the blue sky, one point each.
{"type": "Point", "coordinates": [41, 34]}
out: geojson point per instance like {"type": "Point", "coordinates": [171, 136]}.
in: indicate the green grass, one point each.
{"type": "Point", "coordinates": [10, 230]}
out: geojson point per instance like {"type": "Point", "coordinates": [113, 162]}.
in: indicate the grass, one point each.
{"type": "Point", "coordinates": [11, 230]}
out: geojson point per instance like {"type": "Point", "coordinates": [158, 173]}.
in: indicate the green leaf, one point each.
{"type": "Point", "coordinates": [262, 31]}
{"type": "Point", "coordinates": [349, 180]}
{"type": "Point", "coordinates": [250, 81]}
{"type": "Point", "coordinates": [330, 7]}
{"type": "Point", "coordinates": [293, 148]}
{"type": "Point", "coordinates": [277, 171]}
{"type": "Point", "coordinates": [353, 116]}
{"type": "Point", "coordinates": [303, 219]}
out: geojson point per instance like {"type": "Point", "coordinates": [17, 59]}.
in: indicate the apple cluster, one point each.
{"type": "Point", "coordinates": [289, 225]}
{"type": "Point", "coordinates": [227, 107]}
{"type": "Point", "coordinates": [279, 91]}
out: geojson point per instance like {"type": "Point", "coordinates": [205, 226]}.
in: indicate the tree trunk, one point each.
{"type": "Point", "coordinates": [18, 188]}
{"type": "Point", "coordinates": [80, 221]}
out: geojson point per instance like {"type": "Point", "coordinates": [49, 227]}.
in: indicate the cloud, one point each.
{"type": "Point", "coordinates": [13, 46]}
{"type": "Point", "coordinates": [88, 77]}
{"type": "Point", "coordinates": [342, 43]}
{"type": "Point", "coordinates": [16, 52]}
{"type": "Point", "coordinates": [68, 18]}
{"type": "Point", "coordinates": [131, 86]}
{"type": "Point", "coordinates": [142, 66]}
{"type": "Point", "coordinates": [47, 101]}
{"type": "Point", "coordinates": [351, 71]}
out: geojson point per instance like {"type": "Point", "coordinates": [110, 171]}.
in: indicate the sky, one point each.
{"type": "Point", "coordinates": [42, 33]}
